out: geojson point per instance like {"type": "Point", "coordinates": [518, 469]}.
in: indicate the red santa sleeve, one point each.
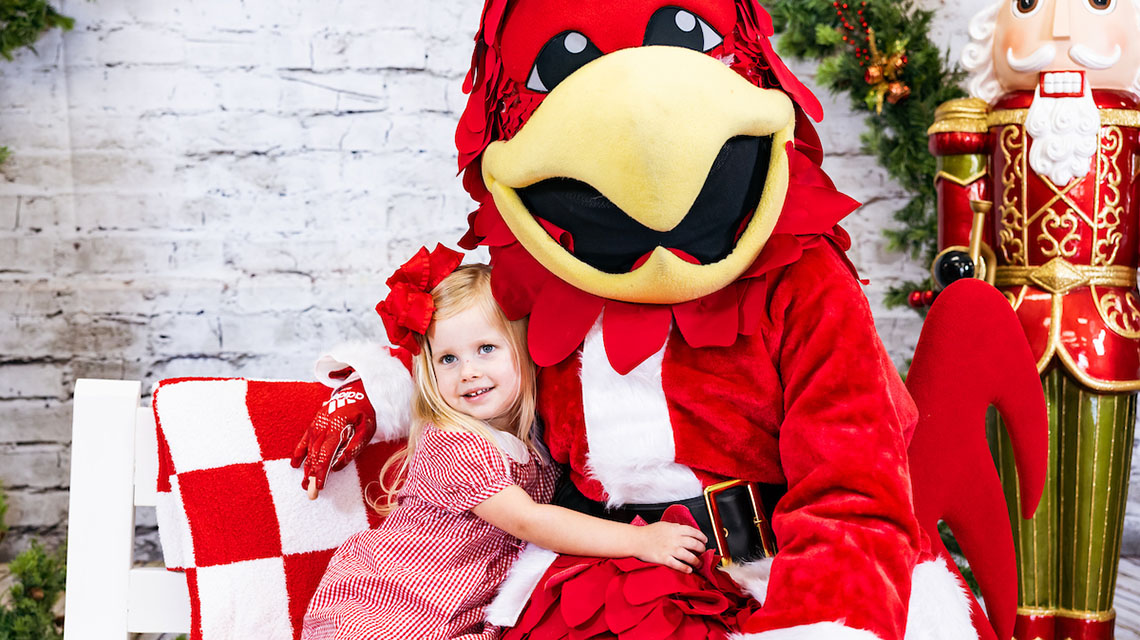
{"type": "Point", "coordinates": [846, 529]}
{"type": "Point", "coordinates": [457, 470]}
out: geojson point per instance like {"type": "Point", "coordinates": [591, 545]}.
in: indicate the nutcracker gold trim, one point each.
{"type": "Point", "coordinates": [1016, 300]}
{"type": "Point", "coordinates": [1059, 276]}
{"type": "Point", "coordinates": [1005, 117]}
{"type": "Point", "coordinates": [1013, 237]}
{"type": "Point", "coordinates": [1109, 212]}
{"type": "Point", "coordinates": [1095, 616]}
{"type": "Point", "coordinates": [964, 182]}
{"type": "Point", "coordinates": [1120, 312]}
{"type": "Point", "coordinates": [1035, 611]}
{"type": "Point", "coordinates": [1092, 616]}
{"type": "Point", "coordinates": [1120, 118]}
{"type": "Point", "coordinates": [1086, 379]}
{"type": "Point", "coordinates": [1108, 118]}
{"type": "Point", "coordinates": [1057, 348]}
{"type": "Point", "coordinates": [964, 115]}
{"type": "Point", "coordinates": [962, 169]}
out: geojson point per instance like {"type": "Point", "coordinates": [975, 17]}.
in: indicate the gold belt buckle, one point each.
{"type": "Point", "coordinates": [720, 532]}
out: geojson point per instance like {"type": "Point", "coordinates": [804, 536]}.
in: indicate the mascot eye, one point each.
{"type": "Point", "coordinates": [1101, 6]}
{"type": "Point", "coordinates": [564, 54]}
{"type": "Point", "coordinates": [1026, 8]}
{"type": "Point", "coordinates": [677, 27]}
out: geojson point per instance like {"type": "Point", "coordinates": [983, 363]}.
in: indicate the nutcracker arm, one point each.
{"type": "Point", "coordinates": [974, 260]}
{"type": "Point", "coordinates": [959, 142]}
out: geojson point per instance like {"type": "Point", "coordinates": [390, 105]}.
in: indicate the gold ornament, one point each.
{"type": "Point", "coordinates": [884, 73]}
{"type": "Point", "coordinates": [897, 91]}
{"type": "Point", "coordinates": [874, 75]}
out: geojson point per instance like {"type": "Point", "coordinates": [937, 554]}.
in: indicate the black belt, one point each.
{"type": "Point", "coordinates": [743, 530]}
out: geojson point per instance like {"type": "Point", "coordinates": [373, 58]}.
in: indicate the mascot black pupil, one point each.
{"type": "Point", "coordinates": [673, 26]}
{"type": "Point", "coordinates": [563, 55]}
{"type": "Point", "coordinates": [569, 51]}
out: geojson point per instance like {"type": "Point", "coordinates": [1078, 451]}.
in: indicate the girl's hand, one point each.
{"type": "Point", "coordinates": [674, 545]}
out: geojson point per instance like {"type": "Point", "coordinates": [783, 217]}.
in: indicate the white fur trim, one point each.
{"type": "Point", "coordinates": [939, 608]}
{"type": "Point", "coordinates": [628, 430]}
{"type": "Point", "coordinates": [978, 56]}
{"type": "Point", "coordinates": [386, 381]}
{"type": "Point", "coordinates": [514, 593]}
{"type": "Point", "coordinates": [817, 631]}
{"type": "Point", "coordinates": [752, 577]}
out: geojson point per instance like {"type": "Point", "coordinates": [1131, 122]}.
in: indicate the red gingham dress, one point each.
{"type": "Point", "coordinates": [432, 566]}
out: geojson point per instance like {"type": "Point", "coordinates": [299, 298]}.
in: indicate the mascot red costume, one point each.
{"type": "Point", "coordinates": [650, 190]}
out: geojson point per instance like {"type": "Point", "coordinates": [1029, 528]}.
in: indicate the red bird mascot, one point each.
{"type": "Point", "coordinates": [651, 193]}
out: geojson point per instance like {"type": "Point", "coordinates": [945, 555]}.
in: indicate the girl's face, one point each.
{"type": "Point", "coordinates": [475, 367]}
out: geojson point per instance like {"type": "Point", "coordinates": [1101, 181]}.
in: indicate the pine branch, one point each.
{"type": "Point", "coordinates": [896, 135]}
{"type": "Point", "coordinates": [22, 22]}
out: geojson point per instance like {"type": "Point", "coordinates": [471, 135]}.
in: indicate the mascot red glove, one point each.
{"type": "Point", "coordinates": [343, 425]}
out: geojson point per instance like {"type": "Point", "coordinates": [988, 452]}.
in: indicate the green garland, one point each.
{"type": "Point", "coordinates": [27, 609]}
{"type": "Point", "coordinates": [896, 132]}
{"type": "Point", "coordinates": [22, 22]}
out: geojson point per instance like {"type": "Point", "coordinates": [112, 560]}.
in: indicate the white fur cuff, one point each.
{"type": "Point", "coordinates": [939, 608]}
{"type": "Point", "coordinates": [386, 382]}
{"type": "Point", "coordinates": [505, 609]}
{"type": "Point", "coordinates": [752, 577]}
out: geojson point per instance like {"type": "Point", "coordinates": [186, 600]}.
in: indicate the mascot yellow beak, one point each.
{"type": "Point", "coordinates": [667, 168]}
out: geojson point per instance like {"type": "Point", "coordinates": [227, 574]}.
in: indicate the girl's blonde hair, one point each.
{"type": "Point", "coordinates": [466, 287]}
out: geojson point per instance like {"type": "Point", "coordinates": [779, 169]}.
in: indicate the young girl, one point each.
{"type": "Point", "coordinates": [476, 479]}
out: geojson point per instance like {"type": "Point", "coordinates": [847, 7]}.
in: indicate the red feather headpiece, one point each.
{"type": "Point", "coordinates": [561, 314]}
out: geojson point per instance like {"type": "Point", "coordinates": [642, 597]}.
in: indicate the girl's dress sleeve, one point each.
{"type": "Point", "coordinates": [458, 470]}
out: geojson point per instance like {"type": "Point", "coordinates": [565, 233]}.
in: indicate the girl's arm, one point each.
{"type": "Point", "coordinates": [565, 531]}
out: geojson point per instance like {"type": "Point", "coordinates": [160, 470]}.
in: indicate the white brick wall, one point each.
{"type": "Point", "coordinates": [221, 188]}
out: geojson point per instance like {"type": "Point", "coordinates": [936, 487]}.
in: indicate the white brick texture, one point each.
{"type": "Point", "coordinates": [221, 188]}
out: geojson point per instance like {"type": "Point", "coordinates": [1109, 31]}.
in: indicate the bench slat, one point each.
{"type": "Point", "coordinates": [159, 601]}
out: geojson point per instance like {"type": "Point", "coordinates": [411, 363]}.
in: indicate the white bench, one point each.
{"type": "Point", "coordinates": [114, 466]}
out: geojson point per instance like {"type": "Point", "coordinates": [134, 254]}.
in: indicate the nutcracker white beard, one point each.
{"type": "Point", "coordinates": [1065, 134]}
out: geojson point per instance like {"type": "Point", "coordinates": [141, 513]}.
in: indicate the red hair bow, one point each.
{"type": "Point", "coordinates": [407, 310]}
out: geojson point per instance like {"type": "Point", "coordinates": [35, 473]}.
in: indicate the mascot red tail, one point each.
{"type": "Point", "coordinates": [973, 354]}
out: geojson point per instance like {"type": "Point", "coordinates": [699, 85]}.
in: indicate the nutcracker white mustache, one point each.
{"type": "Point", "coordinates": [1079, 53]}
{"type": "Point", "coordinates": [1035, 61]}
{"type": "Point", "coordinates": [1090, 59]}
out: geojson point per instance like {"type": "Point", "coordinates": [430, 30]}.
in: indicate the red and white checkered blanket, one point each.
{"type": "Point", "coordinates": [232, 514]}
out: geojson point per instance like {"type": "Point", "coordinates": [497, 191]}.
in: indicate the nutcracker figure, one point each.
{"type": "Point", "coordinates": [1035, 194]}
